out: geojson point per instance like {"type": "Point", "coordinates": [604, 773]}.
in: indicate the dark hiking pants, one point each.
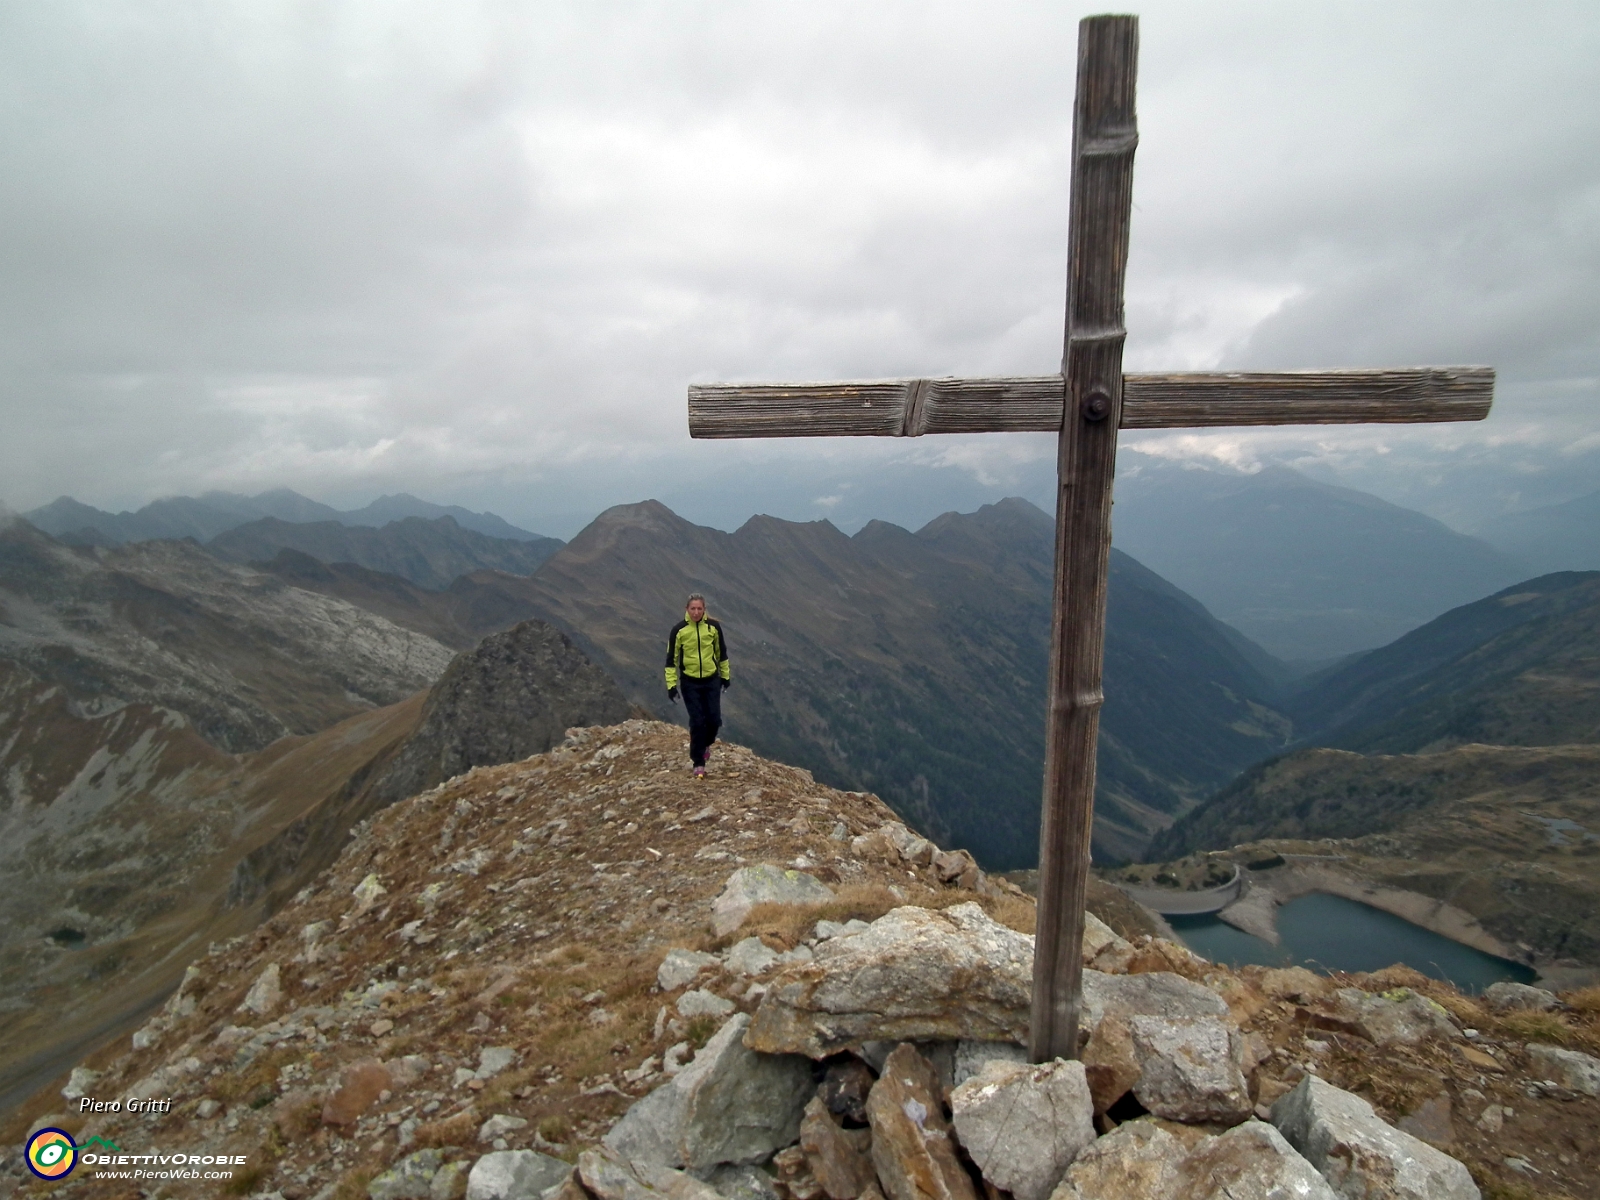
{"type": "Point", "coordinates": [702, 699]}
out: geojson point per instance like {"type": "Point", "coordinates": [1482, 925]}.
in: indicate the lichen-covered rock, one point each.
{"type": "Point", "coordinates": [915, 975]}
{"type": "Point", "coordinates": [1023, 1124]}
{"type": "Point", "coordinates": [731, 1105]}
{"type": "Point", "coordinates": [912, 1149]}
{"type": "Point", "coordinates": [1360, 1154]}
{"type": "Point", "coordinates": [265, 994]}
{"type": "Point", "coordinates": [449, 1182]}
{"type": "Point", "coordinates": [409, 1179]}
{"type": "Point", "coordinates": [515, 1175]}
{"type": "Point", "coordinates": [1570, 1068]}
{"type": "Point", "coordinates": [763, 884]}
{"type": "Point", "coordinates": [1141, 1161]}
{"type": "Point", "coordinates": [1189, 1069]}
{"type": "Point", "coordinates": [701, 1003]}
{"type": "Point", "coordinates": [681, 966]}
{"type": "Point", "coordinates": [1506, 995]}
{"type": "Point", "coordinates": [751, 956]}
{"type": "Point", "coordinates": [1401, 1017]}
{"type": "Point", "coordinates": [1149, 993]}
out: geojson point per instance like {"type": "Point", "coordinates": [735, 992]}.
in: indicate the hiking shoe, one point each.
{"type": "Point", "coordinates": [699, 772]}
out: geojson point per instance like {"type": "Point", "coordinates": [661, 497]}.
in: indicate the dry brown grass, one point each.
{"type": "Point", "coordinates": [1584, 1000]}
{"type": "Point", "coordinates": [458, 1130]}
{"type": "Point", "coordinates": [785, 926]}
{"type": "Point", "coordinates": [261, 1076]}
{"type": "Point", "coordinates": [1535, 1027]}
{"type": "Point", "coordinates": [1463, 1008]}
{"type": "Point", "coordinates": [353, 1184]}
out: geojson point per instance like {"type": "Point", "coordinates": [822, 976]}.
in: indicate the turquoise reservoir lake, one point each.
{"type": "Point", "coordinates": [1331, 933]}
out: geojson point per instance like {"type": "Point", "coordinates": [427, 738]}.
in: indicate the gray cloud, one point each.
{"type": "Point", "coordinates": [475, 251]}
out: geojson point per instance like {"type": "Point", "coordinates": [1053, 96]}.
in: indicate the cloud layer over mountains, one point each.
{"type": "Point", "coordinates": [479, 251]}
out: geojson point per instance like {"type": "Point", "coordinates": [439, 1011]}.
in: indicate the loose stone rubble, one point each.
{"type": "Point", "coordinates": [520, 985]}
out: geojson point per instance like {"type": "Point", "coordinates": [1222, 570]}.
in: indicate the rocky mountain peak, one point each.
{"type": "Point", "coordinates": [512, 696]}
{"type": "Point", "coordinates": [587, 975]}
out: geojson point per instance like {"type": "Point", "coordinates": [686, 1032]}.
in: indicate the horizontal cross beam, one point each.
{"type": "Point", "coordinates": [912, 407]}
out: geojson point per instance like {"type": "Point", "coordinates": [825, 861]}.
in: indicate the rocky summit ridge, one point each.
{"type": "Point", "coordinates": [587, 976]}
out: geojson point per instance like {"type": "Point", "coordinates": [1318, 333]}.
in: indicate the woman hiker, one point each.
{"type": "Point", "coordinates": [697, 665]}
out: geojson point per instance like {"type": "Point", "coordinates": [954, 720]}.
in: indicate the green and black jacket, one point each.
{"type": "Point", "coordinates": [697, 650]}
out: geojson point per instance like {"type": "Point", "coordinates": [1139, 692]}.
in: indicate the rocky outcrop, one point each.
{"type": "Point", "coordinates": [916, 975]}
{"type": "Point", "coordinates": [513, 696]}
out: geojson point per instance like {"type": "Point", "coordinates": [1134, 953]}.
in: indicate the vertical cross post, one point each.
{"type": "Point", "coordinates": [1104, 136]}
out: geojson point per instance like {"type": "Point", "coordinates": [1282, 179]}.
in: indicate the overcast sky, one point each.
{"type": "Point", "coordinates": [476, 251]}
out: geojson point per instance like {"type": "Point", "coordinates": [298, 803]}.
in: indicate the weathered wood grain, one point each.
{"type": "Point", "coordinates": [1034, 403]}
{"type": "Point", "coordinates": [1104, 135]}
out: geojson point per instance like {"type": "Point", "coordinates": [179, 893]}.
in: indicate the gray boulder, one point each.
{"type": "Point", "coordinates": [1570, 1068]}
{"type": "Point", "coordinates": [701, 1003]}
{"type": "Point", "coordinates": [605, 1175]}
{"type": "Point", "coordinates": [764, 884]}
{"type": "Point", "coordinates": [1023, 1124]}
{"type": "Point", "coordinates": [515, 1175]}
{"type": "Point", "coordinates": [681, 966]}
{"type": "Point", "coordinates": [914, 975]}
{"type": "Point", "coordinates": [1507, 995]}
{"type": "Point", "coordinates": [1402, 1020]}
{"type": "Point", "coordinates": [731, 1105]}
{"type": "Point", "coordinates": [1141, 1160]}
{"type": "Point", "coordinates": [752, 956]}
{"type": "Point", "coordinates": [1360, 1154]}
{"type": "Point", "coordinates": [409, 1179]}
{"type": "Point", "coordinates": [1149, 993]}
{"type": "Point", "coordinates": [1190, 1069]}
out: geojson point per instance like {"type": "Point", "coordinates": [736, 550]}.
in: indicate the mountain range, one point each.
{"type": "Point", "coordinates": [1310, 571]}
{"type": "Point", "coordinates": [213, 513]}
{"type": "Point", "coordinates": [431, 553]}
{"type": "Point", "coordinates": [1556, 537]}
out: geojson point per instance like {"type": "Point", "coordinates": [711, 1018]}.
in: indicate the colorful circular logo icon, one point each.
{"type": "Point", "coordinates": [51, 1154]}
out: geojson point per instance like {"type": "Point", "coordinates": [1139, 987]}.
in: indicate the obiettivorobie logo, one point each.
{"type": "Point", "coordinates": [52, 1154]}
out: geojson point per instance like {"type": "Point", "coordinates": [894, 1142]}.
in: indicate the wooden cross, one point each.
{"type": "Point", "coordinates": [1086, 404]}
